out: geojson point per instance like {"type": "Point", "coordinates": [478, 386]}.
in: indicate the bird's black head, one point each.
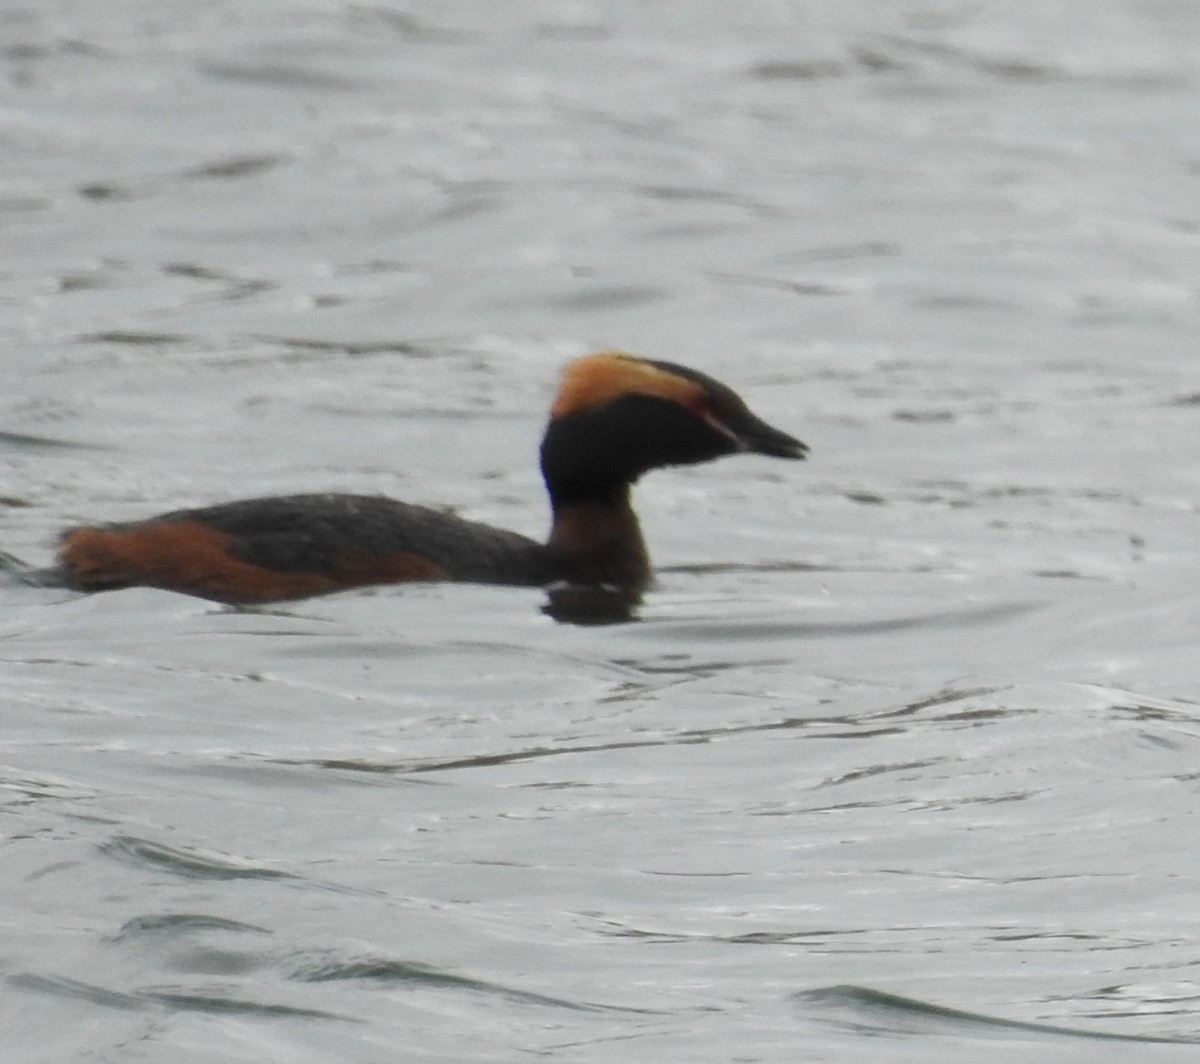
{"type": "Point", "coordinates": [616, 417]}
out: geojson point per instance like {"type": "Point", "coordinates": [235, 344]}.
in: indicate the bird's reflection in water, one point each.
{"type": "Point", "coordinates": [585, 604]}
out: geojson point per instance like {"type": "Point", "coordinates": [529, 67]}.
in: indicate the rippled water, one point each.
{"type": "Point", "coordinates": [900, 760]}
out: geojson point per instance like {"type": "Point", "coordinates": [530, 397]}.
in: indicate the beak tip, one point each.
{"type": "Point", "coordinates": [787, 447]}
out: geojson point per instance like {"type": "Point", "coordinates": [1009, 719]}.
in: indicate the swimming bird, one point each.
{"type": "Point", "coordinates": [616, 416]}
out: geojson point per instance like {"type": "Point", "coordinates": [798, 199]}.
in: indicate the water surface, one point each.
{"type": "Point", "coordinates": [898, 761]}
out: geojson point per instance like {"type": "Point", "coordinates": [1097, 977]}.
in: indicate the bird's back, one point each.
{"type": "Point", "coordinates": [296, 545]}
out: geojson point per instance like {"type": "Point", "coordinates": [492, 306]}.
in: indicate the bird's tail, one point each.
{"type": "Point", "coordinates": [15, 571]}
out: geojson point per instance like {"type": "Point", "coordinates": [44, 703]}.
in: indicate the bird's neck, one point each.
{"type": "Point", "coordinates": [600, 542]}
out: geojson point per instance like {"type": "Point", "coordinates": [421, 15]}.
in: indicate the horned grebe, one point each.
{"type": "Point", "coordinates": [616, 417]}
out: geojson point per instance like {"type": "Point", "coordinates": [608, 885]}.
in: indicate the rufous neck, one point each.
{"type": "Point", "coordinates": [601, 543]}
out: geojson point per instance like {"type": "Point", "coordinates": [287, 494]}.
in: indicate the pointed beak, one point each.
{"type": "Point", "coordinates": [758, 437]}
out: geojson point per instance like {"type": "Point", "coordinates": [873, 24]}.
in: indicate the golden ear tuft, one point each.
{"type": "Point", "coordinates": [598, 379]}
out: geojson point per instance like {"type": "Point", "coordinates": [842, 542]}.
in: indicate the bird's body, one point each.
{"type": "Point", "coordinates": [615, 417]}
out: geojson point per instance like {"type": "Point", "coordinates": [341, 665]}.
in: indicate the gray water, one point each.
{"type": "Point", "coordinates": [901, 759]}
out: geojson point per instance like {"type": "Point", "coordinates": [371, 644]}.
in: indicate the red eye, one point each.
{"type": "Point", "coordinates": [703, 409]}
